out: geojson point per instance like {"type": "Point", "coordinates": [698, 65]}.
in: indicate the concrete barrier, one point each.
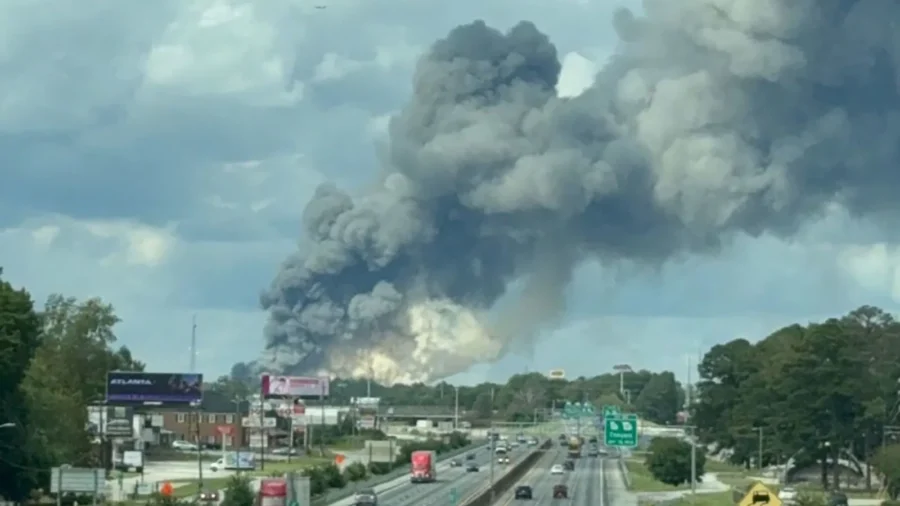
{"type": "Point", "coordinates": [623, 469]}
{"type": "Point", "coordinates": [506, 482]}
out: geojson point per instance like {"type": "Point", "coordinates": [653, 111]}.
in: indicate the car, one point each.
{"type": "Point", "coordinates": [556, 469]}
{"type": "Point", "coordinates": [603, 452]}
{"type": "Point", "coordinates": [503, 459]}
{"type": "Point", "coordinates": [470, 456]}
{"type": "Point", "coordinates": [560, 491]}
{"type": "Point", "coordinates": [285, 450]}
{"type": "Point", "coordinates": [837, 499]}
{"type": "Point", "coordinates": [569, 465]}
{"type": "Point", "coordinates": [455, 463]}
{"type": "Point", "coordinates": [184, 445]}
{"type": "Point", "coordinates": [217, 465]}
{"type": "Point", "coordinates": [473, 468]}
{"type": "Point", "coordinates": [209, 496]}
{"type": "Point", "coordinates": [788, 495]}
{"type": "Point", "coordinates": [524, 492]}
{"type": "Point", "coordinates": [532, 442]}
{"type": "Point", "coordinates": [366, 496]}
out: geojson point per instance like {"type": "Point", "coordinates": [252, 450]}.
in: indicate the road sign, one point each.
{"type": "Point", "coordinates": [621, 432]}
{"type": "Point", "coordinates": [224, 430]}
{"type": "Point", "coordinates": [760, 494]}
{"type": "Point", "coordinates": [77, 479]}
{"type": "Point", "coordinates": [577, 410]}
{"type": "Point", "coordinates": [610, 411]}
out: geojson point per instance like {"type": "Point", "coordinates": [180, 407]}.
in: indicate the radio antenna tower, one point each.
{"type": "Point", "coordinates": [194, 343]}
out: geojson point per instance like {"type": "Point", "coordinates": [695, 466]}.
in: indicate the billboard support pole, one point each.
{"type": "Point", "coordinates": [263, 440]}
{"type": "Point", "coordinates": [291, 436]}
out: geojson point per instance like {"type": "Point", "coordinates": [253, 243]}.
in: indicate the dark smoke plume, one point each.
{"type": "Point", "coordinates": [713, 118]}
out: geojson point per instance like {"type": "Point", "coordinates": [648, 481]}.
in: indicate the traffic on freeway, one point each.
{"type": "Point", "coordinates": [454, 484]}
{"type": "Point", "coordinates": [585, 485]}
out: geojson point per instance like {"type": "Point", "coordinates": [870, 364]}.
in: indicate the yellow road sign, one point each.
{"type": "Point", "coordinates": [760, 495]}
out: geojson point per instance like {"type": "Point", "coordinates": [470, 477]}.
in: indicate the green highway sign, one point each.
{"type": "Point", "coordinates": [621, 431]}
{"type": "Point", "coordinates": [454, 496]}
{"type": "Point", "coordinates": [577, 410]}
{"type": "Point", "coordinates": [610, 411]}
{"type": "Point", "coordinates": [294, 503]}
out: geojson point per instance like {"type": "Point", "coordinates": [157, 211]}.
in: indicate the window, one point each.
{"type": "Point", "coordinates": [211, 418]}
{"type": "Point", "coordinates": [210, 440]}
{"type": "Point", "coordinates": [179, 417]}
{"type": "Point", "coordinates": [229, 419]}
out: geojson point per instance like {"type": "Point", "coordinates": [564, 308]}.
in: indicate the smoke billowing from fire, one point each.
{"type": "Point", "coordinates": [714, 117]}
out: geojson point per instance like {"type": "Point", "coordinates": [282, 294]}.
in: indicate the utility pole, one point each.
{"type": "Point", "coordinates": [693, 460]}
{"type": "Point", "coordinates": [322, 417]}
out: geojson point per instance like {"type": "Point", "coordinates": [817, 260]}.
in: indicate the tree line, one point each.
{"type": "Point", "coordinates": [657, 397]}
{"type": "Point", "coordinates": [810, 391]}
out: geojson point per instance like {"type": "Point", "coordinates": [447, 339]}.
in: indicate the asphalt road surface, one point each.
{"type": "Point", "coordinates": [587, 483]}
{"type": "Point", "coordinates": [401, 492]}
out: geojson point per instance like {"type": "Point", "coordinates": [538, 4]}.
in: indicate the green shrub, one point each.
{"type": "Point", "coordinates": [379, 468]}
{"type": "Point", "coordinates": [238, 492]}
{"type": "Point", "coordinates": [356, 471]}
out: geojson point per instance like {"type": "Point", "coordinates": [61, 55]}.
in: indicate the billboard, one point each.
{"type": "Point", "coordinates": [300, 387]}
{"type": "Point", "coordinates": [153, 388]}
{"type": "Point", "coordinates": [557, 374]}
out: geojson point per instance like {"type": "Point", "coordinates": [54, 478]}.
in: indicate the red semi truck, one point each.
{"type": "Point", "coordinates": [423, 467]}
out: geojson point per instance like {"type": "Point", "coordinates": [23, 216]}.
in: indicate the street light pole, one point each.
{"type": "Point", "coordinates": [759, 463]}
{"type": "Point", "coordinates": [456, 411]}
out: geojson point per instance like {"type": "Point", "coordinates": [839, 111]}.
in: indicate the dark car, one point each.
{"type": "Point", "coordinates": [366, 497]}
{"type": "Point", "coordinates": [470, 456]}
{"type": "Point", "coordinates": [560, 492]}
{"type": "Point", "coordinates": [524, 492]}
{"type": "Point", "coordinates": [569, 465]}
{"type": "Point", "coordinates": [209, 496]}
{"type": "Point", "coordinates": [473, 468]}
{"type": "Point", "coordinates": [837, 499]}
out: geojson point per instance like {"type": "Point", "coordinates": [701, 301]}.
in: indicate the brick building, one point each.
{"type": "Point", "coordinates": [218, 419]}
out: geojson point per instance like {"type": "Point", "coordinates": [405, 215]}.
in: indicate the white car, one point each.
{"type": "Point", "coordinates": [184, 445]}
{"type": "Point", "coordinates": [503, 459]}
{"type": "Point", "coordinates": [788, 495]}
{"type": "Point", "coordinates": [556, 469]}
{"type": "Point", "coordinates": [217, 465]}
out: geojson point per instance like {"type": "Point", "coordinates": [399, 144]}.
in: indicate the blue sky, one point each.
{"type": "Point", "coordinates": [159, 154]}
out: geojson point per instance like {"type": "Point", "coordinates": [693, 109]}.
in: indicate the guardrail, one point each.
{"type": "Point", "coordinates": [623, 470]}
{"type": "Point", "coordinates": [499, 487]}
{"type": "Point", "coordinates": [335, 495]}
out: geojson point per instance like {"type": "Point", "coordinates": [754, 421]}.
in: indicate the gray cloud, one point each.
{"type": "Point", "coordinates": [711, 120]}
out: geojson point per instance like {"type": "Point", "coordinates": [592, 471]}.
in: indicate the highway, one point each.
{"type": "Point", "coordinates": [587, 483]}
{"type": "Point", "coordinates": [401, 492]}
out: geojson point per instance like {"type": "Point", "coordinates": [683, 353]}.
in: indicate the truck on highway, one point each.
{"type": "Point", "coordinates": [575, 444]}
{"type": "Point", "coordinates": [423, 466]}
